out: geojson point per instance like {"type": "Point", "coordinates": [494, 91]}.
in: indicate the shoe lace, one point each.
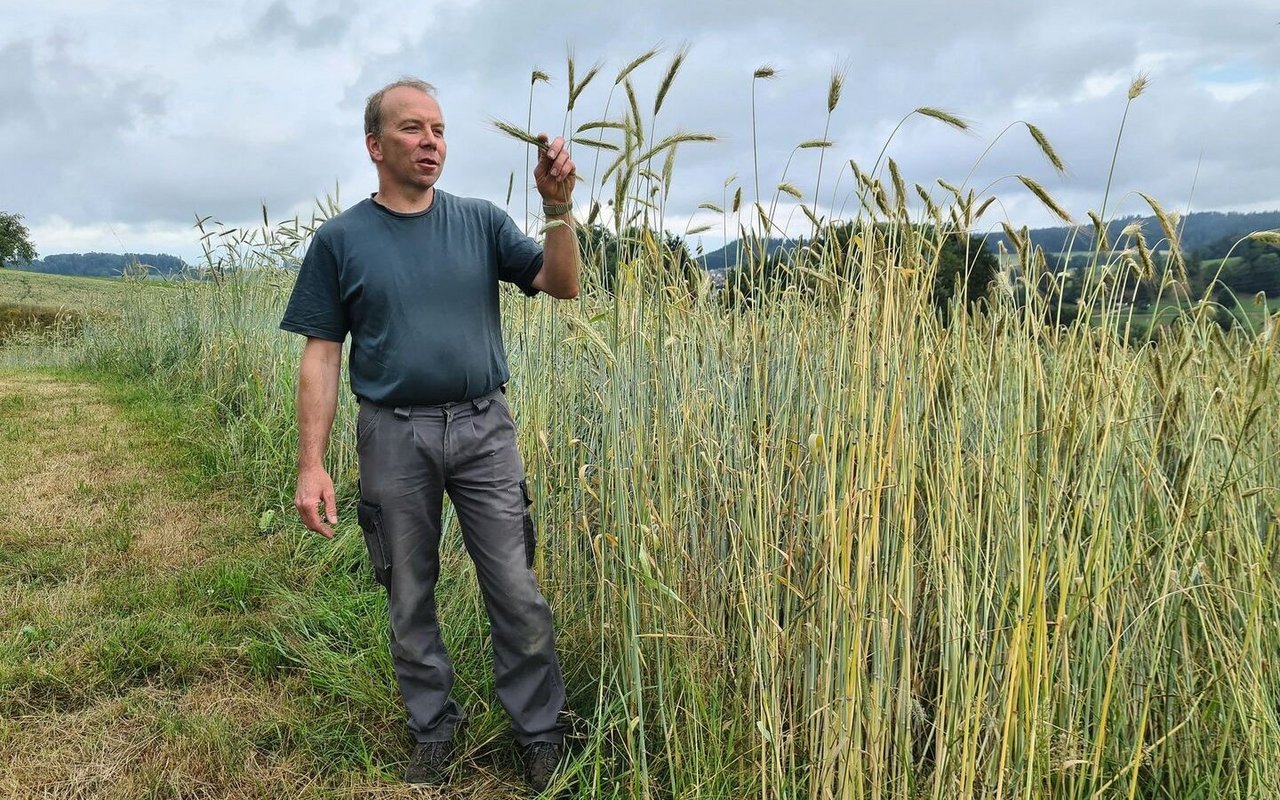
{"type": "Point", "coordinates": [544, 755]}
{"type": "Point", "coordinates": [432, 754]}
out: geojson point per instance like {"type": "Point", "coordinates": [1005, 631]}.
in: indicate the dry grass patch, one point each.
{"type": "Point", "coordinates": [77, 471]}
{"type": "Point", "coordinates": [211, 741]}
{"type": "Point", "coordinates": [150, 742]}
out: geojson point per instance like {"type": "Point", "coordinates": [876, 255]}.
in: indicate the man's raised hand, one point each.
{"type": "Point", "coordinates": [555, 172]}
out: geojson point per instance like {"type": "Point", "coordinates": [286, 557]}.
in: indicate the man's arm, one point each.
{"type": "Point", "coordinates": [555, 175]}
{"type": "Point", "coordinates": [317, 406]}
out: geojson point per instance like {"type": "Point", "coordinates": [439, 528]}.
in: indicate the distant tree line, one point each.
{"type": "Point", "coordinates": [656, 259]}
{"type": "Point", "coordinates": [727, 257]}
{"type": "Point", "coordinates": [759, 267]}
{"type": "Point", "coordinates": [1226, 269]}
{"type": "Point", "coordinates": [112, 265]}
{"type": "Point", "coordinates": [960, 266]}
{"type": "Point", "coordinates": [1253, 267]}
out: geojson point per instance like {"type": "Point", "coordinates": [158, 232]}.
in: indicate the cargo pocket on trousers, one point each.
{"type": "Point", "coordinates": [370, 517]}
{"type": "Point", "coordinates": [530, 531]}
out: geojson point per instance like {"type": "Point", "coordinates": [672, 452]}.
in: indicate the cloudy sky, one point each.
{"type": "Point", "coordinates": [121, 122]}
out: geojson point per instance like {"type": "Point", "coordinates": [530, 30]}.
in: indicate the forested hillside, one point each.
{"type": "Point", "coordinates": [1209, 234]}
{"type": "Point", "coordinates": [1200, 231]}
{"type": "Point", "coordinates": [111, 265]}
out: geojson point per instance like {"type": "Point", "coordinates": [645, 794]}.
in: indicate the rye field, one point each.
{"type": "Point", "coordinates": [810, 536]}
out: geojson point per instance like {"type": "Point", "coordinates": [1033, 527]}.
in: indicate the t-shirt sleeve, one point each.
{"type": "Point", "coordinates": [519, 257]}
{"type": "Point", "coordinates": [315, 307]}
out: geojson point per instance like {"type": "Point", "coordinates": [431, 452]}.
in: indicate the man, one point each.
{"type": "Point", "coordinates": [412, 275]}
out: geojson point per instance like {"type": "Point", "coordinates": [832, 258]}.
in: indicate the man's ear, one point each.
{"type": "Point", "coordinates": [374, 147]}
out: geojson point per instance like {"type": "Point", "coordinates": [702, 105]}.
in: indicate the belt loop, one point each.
{"type": "Point", "coordinates": [481, 404]}
{"type": "Point", "coordinates": [402, 412]}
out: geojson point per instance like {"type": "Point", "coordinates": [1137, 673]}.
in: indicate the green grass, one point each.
{"type": "Point", "coordinates": [69, 292]}
{"type": "Point", "coordinates": [37, 308]}
{"type": "Point", "coordinates": [1249, 315]}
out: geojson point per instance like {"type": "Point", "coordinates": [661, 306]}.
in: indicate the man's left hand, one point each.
{"type": "Point", "coordinates": [555, 173]}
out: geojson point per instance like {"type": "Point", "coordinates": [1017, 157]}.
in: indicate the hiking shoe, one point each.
{"type": "Point", "coordinates": [540, 762]}
{"type": "Point", "coordinates": [431, 763]}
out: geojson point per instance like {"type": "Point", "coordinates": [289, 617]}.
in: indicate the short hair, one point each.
{"type": "Point", "coordinates": [373, 106]}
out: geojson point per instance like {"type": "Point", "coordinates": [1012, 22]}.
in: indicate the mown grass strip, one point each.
{"type": "Point", "coordinates": [157, 650]}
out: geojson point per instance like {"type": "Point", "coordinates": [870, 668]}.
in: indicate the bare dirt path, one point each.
{"type": "Point", "coordinates": [72, 466]}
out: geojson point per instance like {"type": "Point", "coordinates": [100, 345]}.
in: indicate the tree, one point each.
{"type": "Point", "coordinates": [15, 241]}
{"type": "Point", "coordinates": [1259, 272]}
{"type": "Point", "coordinates": [659, 260]}
{"type": "Point", "coordinates": [963, 261]}
{"type": "Point", "coordinates": [600, 252]}
{"type": "Point", "coordinates": [1254, 266]}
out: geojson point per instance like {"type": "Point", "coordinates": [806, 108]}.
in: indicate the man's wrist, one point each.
{"type": "Point", "coordinates": [556, 209]}
{"type": "Point", "coordinates": [310, 465]}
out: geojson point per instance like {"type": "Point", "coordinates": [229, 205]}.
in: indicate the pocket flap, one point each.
{"type": "Point", "coordinates": [370, 517]}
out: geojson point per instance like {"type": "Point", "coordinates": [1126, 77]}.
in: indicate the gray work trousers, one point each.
{"type": "Point", "coordinates": [409, 458]}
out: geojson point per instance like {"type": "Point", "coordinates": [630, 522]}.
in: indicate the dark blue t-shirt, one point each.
{"type": "Point", "coordinates": [419, 295]}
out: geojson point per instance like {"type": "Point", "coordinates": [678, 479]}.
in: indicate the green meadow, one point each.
{"type": "Point", "coordinates": [815, 537]}
{"type": "Point", "coordinates": [32, 302]}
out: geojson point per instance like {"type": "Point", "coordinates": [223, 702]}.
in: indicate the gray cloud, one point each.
{"type": "Point", "coordinates": [63, 119]}
{"type": "Point", "coordinates": [279, 21]}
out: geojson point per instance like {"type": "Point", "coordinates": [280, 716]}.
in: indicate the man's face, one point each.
{"type": "Point", "coordinates": [410, 151]}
